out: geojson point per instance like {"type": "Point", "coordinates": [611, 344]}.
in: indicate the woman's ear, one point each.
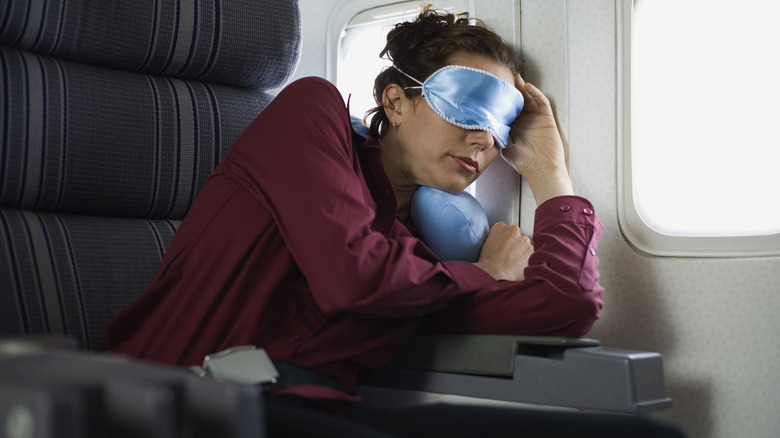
{"type": "Point", "coordinates": [392, 99]}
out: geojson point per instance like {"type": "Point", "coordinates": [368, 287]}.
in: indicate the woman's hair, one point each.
{"type": "Point", "coordinates": [422, 46]}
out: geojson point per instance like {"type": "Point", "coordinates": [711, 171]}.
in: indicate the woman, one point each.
{"type": "Point", "coordinates": [300, 243]}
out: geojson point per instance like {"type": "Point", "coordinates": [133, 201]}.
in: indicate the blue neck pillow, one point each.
{"type": "Point", "coordinates": [454, 227]}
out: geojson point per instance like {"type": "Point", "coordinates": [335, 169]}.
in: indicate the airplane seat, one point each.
{"type": "Point", "coordinates": [113, 116]}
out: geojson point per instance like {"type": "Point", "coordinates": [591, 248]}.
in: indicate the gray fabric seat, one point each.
{"type": "Point", "coordinates": [112, 117]}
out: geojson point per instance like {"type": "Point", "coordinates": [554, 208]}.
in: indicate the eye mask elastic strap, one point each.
{"type": "Point", "coordinates": [410, 77]}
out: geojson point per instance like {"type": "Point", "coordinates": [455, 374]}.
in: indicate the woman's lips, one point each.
{"type": "Point", "coordinates": [467, 164]}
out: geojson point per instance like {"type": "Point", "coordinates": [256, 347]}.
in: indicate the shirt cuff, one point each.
{"type": "Point", "coordinates": [564, 209]}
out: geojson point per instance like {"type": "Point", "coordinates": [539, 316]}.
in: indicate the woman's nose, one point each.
{"type": "Point", "coordinates": [481, 139]}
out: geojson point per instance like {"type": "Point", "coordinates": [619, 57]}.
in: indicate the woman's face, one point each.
{"type": "Point", "coordinates": [439, 154]}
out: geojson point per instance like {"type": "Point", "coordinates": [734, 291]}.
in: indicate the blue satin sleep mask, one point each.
{"type": "Point", "coordinates": [454, 227]}
{"type": "Point", "coordinates": [472, 99]}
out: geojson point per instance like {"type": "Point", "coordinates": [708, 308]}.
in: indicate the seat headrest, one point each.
{"type": "Point", "coordinates": [252, 44]}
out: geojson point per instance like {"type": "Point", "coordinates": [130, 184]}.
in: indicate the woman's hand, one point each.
{"type": "Point", "coordinates": [535, 147]}
{"type": "Point", "coordinates": [505, 253]}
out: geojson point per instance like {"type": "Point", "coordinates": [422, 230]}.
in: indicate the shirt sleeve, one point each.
{"type": "Point", "coordinates": [297, 158]}
{"type": "Point", "coordinates": [560, 295]}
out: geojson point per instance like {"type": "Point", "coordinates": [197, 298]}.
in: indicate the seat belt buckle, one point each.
{"type": "Point", "coordinates": [244, 364]}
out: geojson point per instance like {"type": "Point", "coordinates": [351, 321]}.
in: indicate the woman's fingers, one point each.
{"type": "Point", "coordinates": [519, 82]}
{"type": "Point", "coordinates": [529, 105]}
{"type": "Point", "coordinates": [541, 102]}
{"type": "Point", "coordinates": [505, 253]}
{"type": "Point", "coordinates": [535, 100]}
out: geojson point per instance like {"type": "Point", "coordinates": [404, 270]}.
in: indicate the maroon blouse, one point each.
{"type": "Point", "coordinates": [293, 245]}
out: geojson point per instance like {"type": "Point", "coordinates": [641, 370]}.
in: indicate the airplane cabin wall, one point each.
{"type": "Point", "coordinates": [714, 320]}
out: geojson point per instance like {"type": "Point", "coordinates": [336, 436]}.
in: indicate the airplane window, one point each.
{"type": "Point", "coordinates": [699, 149]}
{"type": "Point", "coordinates": [358, 62]}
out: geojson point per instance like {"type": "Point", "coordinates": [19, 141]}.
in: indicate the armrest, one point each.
{"type": "Point", "coordinates": [566, 372]}
{"type": "Point", "coordinates": [487, 355]}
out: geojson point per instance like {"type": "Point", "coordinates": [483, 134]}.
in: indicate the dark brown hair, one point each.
{"type": "Point", "coordinates": [422, 46]}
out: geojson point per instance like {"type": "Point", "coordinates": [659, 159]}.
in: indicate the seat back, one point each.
{"type": "Point", "coordinates": [112, 117]}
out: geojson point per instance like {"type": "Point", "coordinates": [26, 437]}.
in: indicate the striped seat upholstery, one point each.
{"type": "Point", "coordinates": [113, 115]}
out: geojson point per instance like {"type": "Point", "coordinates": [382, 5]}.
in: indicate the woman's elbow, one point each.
{"type": "Point", "coordinates": [582, 311]}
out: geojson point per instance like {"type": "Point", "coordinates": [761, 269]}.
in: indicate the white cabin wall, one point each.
{"type": "Point", "coordinates": [314, 22]}
{"type": "Point", "coordinates": [498, 189]}
{"type": "Point", "coordinates": [714, 320]}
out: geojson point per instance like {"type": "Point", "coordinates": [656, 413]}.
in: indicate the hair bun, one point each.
{"type": "Point", "coordinates": [405, 38]}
